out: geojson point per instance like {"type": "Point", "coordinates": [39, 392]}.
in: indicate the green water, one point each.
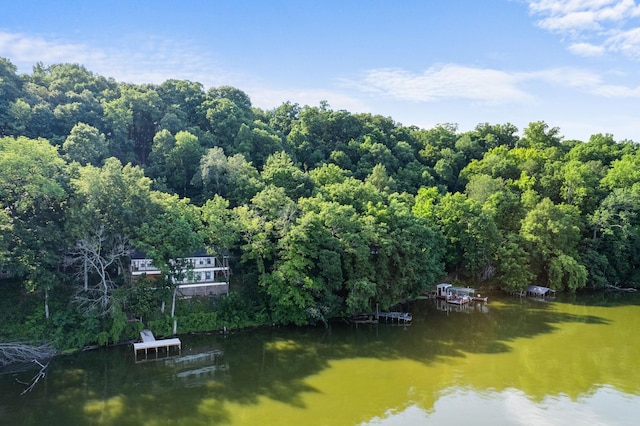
{"type": "Point", "coordinates": [570, 361]}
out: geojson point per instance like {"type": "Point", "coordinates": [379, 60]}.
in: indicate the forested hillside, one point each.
{"type": "Point", "coordinates": [323, 212]}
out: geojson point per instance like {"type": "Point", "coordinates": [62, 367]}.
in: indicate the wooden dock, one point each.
{"type": "Point", "coordinates": [149, 342]}
{"type": "Point", "coordinates": [374, 317]}
{"type": "Point", "coordinates": [405, 317]}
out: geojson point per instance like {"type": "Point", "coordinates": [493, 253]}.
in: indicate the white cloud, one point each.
{"type": "Point", "coordinates": [564, 77]}
{"type": "Point", "coordinates": [153, 60]}
{"type": "Point", "coordinates": [22, 50]}
{"type": "Point", "coordinates": [586, 49]}
{"type": "Point", "coordinates": [449, 81]}
{"type": "Point", "coordinates": [138, 60]}
{"type": "Point", "coordinates": [569, 15]}
{"type": "Point", "coordinates": [270, 98]}
{"type": "Point", "coordinates": [594, 26]}
{"type": "Point", "coordinates": [617, 91]}
{"type": "Point", "coordinates": [626, 42]}
{"type": "Point", "coordinates": [489, 86]}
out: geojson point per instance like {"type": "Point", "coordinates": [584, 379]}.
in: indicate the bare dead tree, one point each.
{"type": "Point", "coordinates": [97, 255]}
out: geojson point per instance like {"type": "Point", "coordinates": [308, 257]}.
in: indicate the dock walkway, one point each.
{"type": "Point", "coordinates": [150, 342]}
{"type": "Point", "coordinates": [399, 316]}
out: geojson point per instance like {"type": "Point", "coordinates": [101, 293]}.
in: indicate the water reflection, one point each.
{"type": "Point", "coordinates": [547, 359]}
{"type": "Point", "coordinates": [605, 407]}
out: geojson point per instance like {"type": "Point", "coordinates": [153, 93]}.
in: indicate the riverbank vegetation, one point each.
{"type": "Point", "coordinates": [322, 212]}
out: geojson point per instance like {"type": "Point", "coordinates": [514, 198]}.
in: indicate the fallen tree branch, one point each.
{"type": "Point", "coordinates": [617, 288]}
{"type": "Point", "coordinates": [42, 373]}
{"type": "Point", "coordinates": [15, 352]}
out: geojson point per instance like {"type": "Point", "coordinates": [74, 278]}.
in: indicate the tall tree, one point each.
{"type": "Point", "coordinates": [10, 90]}
{"type": "Point", "coordinates": [132, 120]}
{"type": "Point", "coordinates": [471, 233]}
{"type": "Point", "coordinates": [182, 163]}
{"type": "Point", "coordinates": [553, 234]}
{"type": "Point", "coordinates": [33, 199]}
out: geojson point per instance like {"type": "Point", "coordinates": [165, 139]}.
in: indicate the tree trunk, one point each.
{"type": "Point", "coordinates": [173, 304]}
{"type": "Point", "coordinates": [46, 304]}
{"type": "Point", "coordinates": [86, 275]}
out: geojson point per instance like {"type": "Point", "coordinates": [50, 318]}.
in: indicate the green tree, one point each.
{"type": "Point", "coordinates": [513, 270]}
{"type": "Point", "coordinates": [601, 148]}
{"type": "Point", "coordinates": [131, 120]}
{"type": "Point", "coordinates": [407, 250]}
{"type": "Point", "coordinates": [10, 90]}
{"type": "Point", "coordinates": [62, 95]}
{"type": "Point", "coordinates": [182, 98]}
{"type": "Point", "coordinates": [163, 143]}
{"type": "Point", "coordinates": [243, 179]}
{"type": "Point", "coordinates": [538, 135]}
{"type": "Point", "coordinates": [114, 196]}
{"type": "Point", "coordinates": [172, 231]}
{"type": "Point", "coordinates": [85, 144]}
{"type": "Point", "coordinates": [616, 235]}
{"type": "Point", "coordinates": [108, 207]}
{"type": "Point", "coordinates": [497, 135]}
{"type": "Point", "coordinates": [170, 235]}
{"type": "Point", "coordinates": [553, 233]}
{"type": "Point", "coordinates": [218, 234]}
{"type": "Point", "coordinates": [280, 171]}
{"type": "Point", "coordinates": [182, 163]}
{"type": "Point", "coordinates": [33, 200]}
{"type": "Point", "coordinates": [328, 174]}
{"type": "Point", "coordinates": [380, 179]}
{"type": "Point", "coordinates": [580, 184]}
{"type": "Point", "coordinates": [471, 234]}
{"type": "Point", "coordinates": [623, 173]}
{"type": "Point", "coordinates": [256, 144]}
{"type": "Point", "coordinates": [282, 118]}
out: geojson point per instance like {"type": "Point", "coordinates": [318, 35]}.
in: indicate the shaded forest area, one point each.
{"type": "Point", "coordinates": [323, 212]}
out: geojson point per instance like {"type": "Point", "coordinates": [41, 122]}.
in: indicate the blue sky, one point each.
{"type": "Point", "coordinates": [572, 63]}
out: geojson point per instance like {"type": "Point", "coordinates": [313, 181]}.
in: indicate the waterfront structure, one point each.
{"type": "Point", "coordinates": [202, 275]}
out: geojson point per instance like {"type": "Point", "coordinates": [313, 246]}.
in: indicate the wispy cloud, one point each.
{"type": "Point", "coordinates": [569, 15]}
{"type": "Point", "coordinates": [147, 59]}
{"type": "Point", "coordinates": [490, 86]}
{"type": "Point", "coordinates": [593, 26]}
{"type": "Point", "coordinates": [587, 49]}
{"type": "Point", "coordinates": [449, 81]}
{"type": "Point", "coordinates": [141, 59]}
{"type": "Point", "coordinates": [617, 91]}
{"type": "Point", "coordinates": [268, 98]}
{"type": "Point", "coordinates": [626, 42]}
{"type": "Point", "coordinates": [22, 49]}
{"type": "Point", "coordinates": [562, 77]}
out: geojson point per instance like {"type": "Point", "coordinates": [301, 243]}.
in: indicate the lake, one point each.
{"type": "Point", "coordinates": [573, 360]}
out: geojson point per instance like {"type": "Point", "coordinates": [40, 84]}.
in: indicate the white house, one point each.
{"type": "Point", "coordinates": [207, 275]}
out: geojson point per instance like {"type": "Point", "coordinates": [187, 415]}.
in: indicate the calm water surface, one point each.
{"type": "Point", "coordinates": [575, 360]}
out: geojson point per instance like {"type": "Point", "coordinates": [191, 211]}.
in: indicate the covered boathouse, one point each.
{"type": "Point", "coordinates": [538, 291]}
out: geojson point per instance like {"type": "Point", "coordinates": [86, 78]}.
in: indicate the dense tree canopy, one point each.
{"type": "Point", "coordinates": [322, 212]}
